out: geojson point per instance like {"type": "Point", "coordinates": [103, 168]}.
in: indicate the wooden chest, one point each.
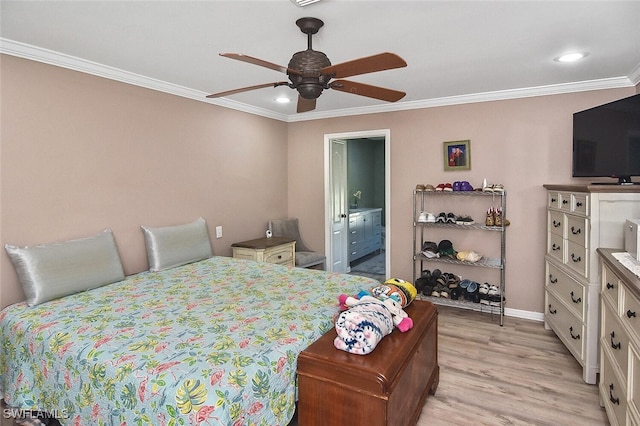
{"type": "Point", "coordinates": [386, 387]}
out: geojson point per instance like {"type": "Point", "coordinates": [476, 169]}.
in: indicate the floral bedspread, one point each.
{"type": "Point", "coordinates": [210, 343]}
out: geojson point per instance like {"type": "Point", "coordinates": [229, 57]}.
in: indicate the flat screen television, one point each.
{"type": "Point", "coordinates": [606, 141]}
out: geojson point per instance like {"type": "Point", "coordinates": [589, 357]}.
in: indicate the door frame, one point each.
{"type": "Point", "coordinates": [386, 134]}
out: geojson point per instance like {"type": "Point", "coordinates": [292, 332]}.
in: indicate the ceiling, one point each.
{"type": "Point", "coordinates": [457, 51]}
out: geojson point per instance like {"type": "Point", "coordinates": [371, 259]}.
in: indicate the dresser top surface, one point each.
{"type": "Point", "coordinates": [592, 188]}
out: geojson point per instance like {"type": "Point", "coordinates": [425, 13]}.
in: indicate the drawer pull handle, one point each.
{"type": "Point", "coordinates": [630, 314]}
{"type": "Point", "coordinates": [557, 224]}
{"type": "Point", "coordinates": [552, 280]}
{"type": "Point", "coordinates": [554, 247]}
{"type": "Point", "coordinates": [279, 256]}
{"type": "Point", "coordinates": [553, 200]}
{"type": "Point", "coordinates": [552, 311]}
{"type": "Point", "coordinates": [615, 345]}
{"type": "Point", "coordinates": [611, 398]}
{"type": "Point", "coordinates": [574, 258]}
{"type": "Point", "coordinates": [574, 337]}
{"type": "Point", "coordinates": [610, 286]}
{"type": "Point", "coordinates": [574, 300]}
{"type": "Point", "coordinates": [574, 231]}
{"type": "Point", "coordinates": [564, 202]}
{"type": "Point", "coordinates": [579, 204]}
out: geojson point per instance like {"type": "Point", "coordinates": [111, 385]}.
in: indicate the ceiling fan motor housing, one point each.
{"type": "Point", "coordinates": [310, 64]}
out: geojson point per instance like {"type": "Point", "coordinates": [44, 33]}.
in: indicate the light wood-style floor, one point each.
{"type": "Point", "coordinates": [518, 374]}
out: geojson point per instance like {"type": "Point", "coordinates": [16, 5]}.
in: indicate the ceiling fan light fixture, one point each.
{"type": "Point", "coordinates": [302, 3]}
{"type": "Point", "coordinates": [571, 57]}
{"type": "Point", "coordinates": [283, 100]}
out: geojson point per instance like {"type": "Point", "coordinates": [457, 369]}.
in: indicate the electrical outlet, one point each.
{"type": "Point", "coordinates": [218, 231]}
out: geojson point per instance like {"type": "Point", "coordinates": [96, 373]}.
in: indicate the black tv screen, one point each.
{"type": "Point", "coordinates": [606, 140]}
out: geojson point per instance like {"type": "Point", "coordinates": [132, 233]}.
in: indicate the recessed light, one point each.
{"type": "Point", "coordinates": [571, 57]}
{"type": "Point", "coordinates": [283, 100]}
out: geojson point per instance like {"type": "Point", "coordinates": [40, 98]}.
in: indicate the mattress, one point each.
{"type": "Point", "coordinates": [212, 342]}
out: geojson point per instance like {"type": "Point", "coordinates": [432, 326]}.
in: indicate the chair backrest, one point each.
{"type": "Point", "coordinates": [288, 228]}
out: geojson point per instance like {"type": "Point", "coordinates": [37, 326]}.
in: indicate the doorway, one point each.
{"type": "Point", "coordinates": [344, 177]}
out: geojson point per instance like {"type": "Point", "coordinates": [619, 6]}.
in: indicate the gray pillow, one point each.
{"type": "Point", "coordinates": [171, 246]}
{"type": "Point", "coordinates": [50, 271]}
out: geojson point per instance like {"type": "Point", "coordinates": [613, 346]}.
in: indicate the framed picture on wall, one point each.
{"type": "Point", "coordinates": [457, 155]}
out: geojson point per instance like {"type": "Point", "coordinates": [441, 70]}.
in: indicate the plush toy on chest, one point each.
{"type": "Point", "coordinates": [372, 314]}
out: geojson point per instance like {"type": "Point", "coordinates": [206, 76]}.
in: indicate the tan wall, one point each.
{"type": "Point", "coordinates": [522, 144]}
{"type": "Point", "coordinates": [80, 153]}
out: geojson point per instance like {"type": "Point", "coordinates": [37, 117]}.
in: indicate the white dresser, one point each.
{"type": "Point", "coordinates": [619, 341]}
{"type": "Point", "coordinates": [365, 232]}
{"type": "Point", "coordinates": [581, 218]}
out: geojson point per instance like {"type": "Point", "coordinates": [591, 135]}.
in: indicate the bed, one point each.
{"type": "Point", "coordinates": [214, 342]}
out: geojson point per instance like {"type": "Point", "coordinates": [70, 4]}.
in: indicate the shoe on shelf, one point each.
{"type": "Point", "coordinates": [464, 220]}
{"type": "Point", "coordinates": [419, 187]}
{"type": "Point", "coordinates": [497, 216]}
{"type": "Point", "coordinates": [468, 256]}
{"type": "Point", "coordinates": [431, 218]}
{"type": "Point", "coordinates": [442, 217]}
{"type": "Point", "coordinates": [440, 187]}
{"type": "Point", "coordinates": [429, 188]}
{"type": "Point", "coordinates": [447, 187]}
{"type": "Point", "coordinates": [465, 186]}
{"type": "Point", "coordinates": [430, 251]}
{"type": "Point", "coordinates": [498, 188]}
{"type": "Point", "coordinates": [457, 185]}
{"type": "Point", "coordinates": [451, 218]}
{"type": "Point", "coordinates": [490, 221]}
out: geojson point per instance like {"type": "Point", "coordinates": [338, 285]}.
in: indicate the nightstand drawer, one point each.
{"type": "Point", "coordinates": [278, 255]}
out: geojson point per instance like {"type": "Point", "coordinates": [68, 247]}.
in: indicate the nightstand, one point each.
{"type": "Point", "coordinates": [272, 250]}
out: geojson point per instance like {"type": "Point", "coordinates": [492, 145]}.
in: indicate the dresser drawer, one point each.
{"type": "Point", "coordinates": [612, 393]}
{"type": "Point", "coordinates": [630, 313]}
{"type": "Point", "coordinates": [279, 255]}
{"type": "Point", "coordinates": [576, 259]}
{"type": "Point", "coordinates": [553, 199]}
{"type": "Point", "coordinates": [578, 230]}
{"type": "Point", "coordinates": [634, 381]}
{"type": "Point", "coordinates": [569, 328]}
{"type": "Point", "coordinates": [555, 246]}
{"type": "Point", "coordinates": [556, 222]}
{"type": "Point", "coordinates": [615, 339]}
{"type": "Point", "coordinates": [580, 203]}
{"type": "Point", "coordinates": [565, 201]}
{"type": "Point", "coordinates": [610, 287]}
{"type": "Point", "coordinates": [565, 288]}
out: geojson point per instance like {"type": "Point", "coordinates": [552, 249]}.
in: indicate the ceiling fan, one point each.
{"type": "Point", "coordinates": [310, 72]}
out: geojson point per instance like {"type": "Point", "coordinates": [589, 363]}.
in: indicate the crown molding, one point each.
{"type": "Point", "coordinates": [23, 50]}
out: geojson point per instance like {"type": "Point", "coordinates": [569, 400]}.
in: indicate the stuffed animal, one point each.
{"type": "Point", "coordinates": [399, 317]}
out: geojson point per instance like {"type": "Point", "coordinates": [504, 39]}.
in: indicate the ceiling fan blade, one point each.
{"type": "Point", "coordinates": [305, 105]}
{"type": "Point", "coordinates": [246, 89]}
{"type": "Point", "coordinates": [379, 62]}
{"type": "Point", "coordinates": [260, 62]}
{"type": "Point", "coordinates": [367, 90]}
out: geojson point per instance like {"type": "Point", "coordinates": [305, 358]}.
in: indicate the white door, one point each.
{"type": "Point", "coordinates": [339, 217]}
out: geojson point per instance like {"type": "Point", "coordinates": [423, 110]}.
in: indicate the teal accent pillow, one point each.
{"type": "Point", "coordinates": [54, 270]}
{"type": "Point", "coordinates": [171, 246]}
